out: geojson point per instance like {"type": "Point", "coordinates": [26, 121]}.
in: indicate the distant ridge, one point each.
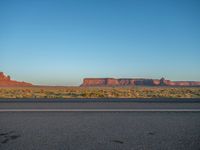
{"type": "Point", "coordinates": [87, 82]}
{"type": "Point", "coordinates": [6, 81]}
{"type": "Point", "coordinates": [135, 81]}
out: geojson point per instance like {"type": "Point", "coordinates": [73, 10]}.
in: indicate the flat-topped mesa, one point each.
{"type": "Point", "coordinates": [135, 81]}
{"type": "Point", "coordinates": [100, 81]}
{"type": "Point", "coordinates": [179, 83]}
{"type": "Point", "coordinates": [6, 81]}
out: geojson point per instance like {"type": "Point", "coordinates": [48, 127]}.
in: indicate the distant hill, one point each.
{"type": "Point", "coordinates": [6, 81]}
{"type": "Point", "coordinates": [136, 81]}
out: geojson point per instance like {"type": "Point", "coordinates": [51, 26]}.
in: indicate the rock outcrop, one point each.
{"type": "Point", "coordinates": [6, 81]}
{"type": "Point", "coordinates": [136, 81]}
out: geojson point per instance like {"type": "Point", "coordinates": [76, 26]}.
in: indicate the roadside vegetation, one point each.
{"type": "Point", "coordinates": [100, 92]}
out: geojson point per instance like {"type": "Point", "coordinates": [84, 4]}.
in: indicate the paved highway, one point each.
{"type": "Point", "coordinates": [100, 105]}
{"type": "Point", "coordinates": [149, 125]}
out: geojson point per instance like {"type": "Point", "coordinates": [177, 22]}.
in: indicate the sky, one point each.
{"type": "Point", "coordinates": [60, 42]}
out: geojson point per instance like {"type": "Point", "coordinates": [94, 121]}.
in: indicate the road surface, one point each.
{"type": "Point", "coordinates": [99, 105]}
{"type": "Point", "coordinates": [101, 125]}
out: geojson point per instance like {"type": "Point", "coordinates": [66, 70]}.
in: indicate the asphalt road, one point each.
{"type": "Point", "coordinates": [105, 130]}
{"type": "Point", "coordinates": [100, 105]}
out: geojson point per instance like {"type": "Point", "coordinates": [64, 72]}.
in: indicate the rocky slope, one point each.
{"type": "Point", "coordinates": [136, 81]}
{"type": "Point", "coordinates": [6, 81]}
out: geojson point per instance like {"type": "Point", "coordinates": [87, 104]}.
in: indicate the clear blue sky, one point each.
{"type": "Point", "coordinates": [59, 42]}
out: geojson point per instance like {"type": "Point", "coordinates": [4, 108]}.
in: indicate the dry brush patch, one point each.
{"type": "Point", "coordinates": [99, 92]}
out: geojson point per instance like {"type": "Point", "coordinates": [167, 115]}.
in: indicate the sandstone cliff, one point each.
{"type": "Point", "coordinates": [6, 81]}
{"type": "Point", "coordinates": [136, 81]}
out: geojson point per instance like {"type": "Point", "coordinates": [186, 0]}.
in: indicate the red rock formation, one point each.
{"type": "Point", "coordinates": [126, 82]}
{"type": "Point", "coordinates": [94, 81]}
{"type": "Point", "coordinates": [100, 82]}
{"type": "Point", "coordinates": [6, 81]}
{"type": "Point", "coordinates": [156, 82]}
{"type": "Point", "coordinates": [179, 83]}
{"type": "Point", "coordinates": [132, 82]}
{"type": "Point", "coordinates": [112, 81]}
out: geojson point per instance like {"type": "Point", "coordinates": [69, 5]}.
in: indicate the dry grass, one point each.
{"type": "Point", "coordinates": [101, 92]}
